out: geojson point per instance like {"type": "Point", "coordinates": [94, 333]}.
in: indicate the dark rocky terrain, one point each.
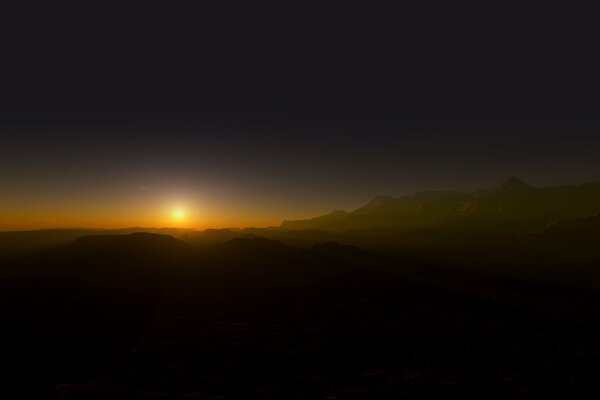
{"type": "Point", "coordinates": [148, 316]}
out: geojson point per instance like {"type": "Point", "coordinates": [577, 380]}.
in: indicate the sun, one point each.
{"type": "Point", "coordinates": [179, 214]}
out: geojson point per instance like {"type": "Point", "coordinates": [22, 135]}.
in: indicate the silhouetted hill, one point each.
{"type": "Point", "coordinates": [14, 243]}
{"type": "Point", "coordinates": [511, 200]}
{"type": "Point", "coordinates": [316, 223]}
{"type": "Point", "coordinates": [573, 228]}
{"type": "Point", "coordinates": [513, 184]}
{"type": "Point", "coordinates": [243, 247]}
{"type": "Point", "coordinates": [260, 262]}
{"type": "Point", "coordinates": [137, 243]}
{"type": "Point", "coordinates": [17, 242]}
{"type": "Point", "coordinates": [74, 304]}
{"type": "Point", "coordinates": [411, 203]}
{"type": "Point", "coordinates": [137, 262]}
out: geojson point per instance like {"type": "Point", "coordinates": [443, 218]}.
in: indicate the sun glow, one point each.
{"type": "Point", "coordinates": [178, 214]}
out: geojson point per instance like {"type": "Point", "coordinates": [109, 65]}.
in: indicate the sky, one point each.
{"type": "Point", "coordinates": [248, 116]}
{"type": "Point", "coordinates": [249, 169]}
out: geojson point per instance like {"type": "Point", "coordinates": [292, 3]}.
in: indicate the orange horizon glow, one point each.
{"type": "Point", "coordinates": [62, 223]}
{"type": "Point", "coordinates": [173, 218]}
{"type": "Point", "coordinates": [126, 213]}
{"type": "Point", "coordinates": [183, 212]}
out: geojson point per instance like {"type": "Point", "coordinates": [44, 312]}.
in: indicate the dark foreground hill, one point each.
{"type": "Point", "coordinates": [68, 306]}
{"type": "Point", "coordinates": [148, 316]}
{"type": "Point", "coordinates": [22, 242]}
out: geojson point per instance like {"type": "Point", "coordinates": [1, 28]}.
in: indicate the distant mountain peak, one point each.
{"type": "Point", "coordinates": [338, 212]}
{"type": "Point", "coordinates": [513, 184]}
{"type": "Point", "coordinates": [512, 200]}
{"type": "Point", "coordinates": [381, 200]}
{"type": "Point", "coordinates": [335, 215]}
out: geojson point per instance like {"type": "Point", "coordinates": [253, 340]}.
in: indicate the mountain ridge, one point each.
{"type": "Point", "coordinates": [512, 199]}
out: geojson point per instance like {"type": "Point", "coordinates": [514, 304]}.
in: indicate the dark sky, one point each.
{"type": "Point", "coordinates": [113, 117]}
